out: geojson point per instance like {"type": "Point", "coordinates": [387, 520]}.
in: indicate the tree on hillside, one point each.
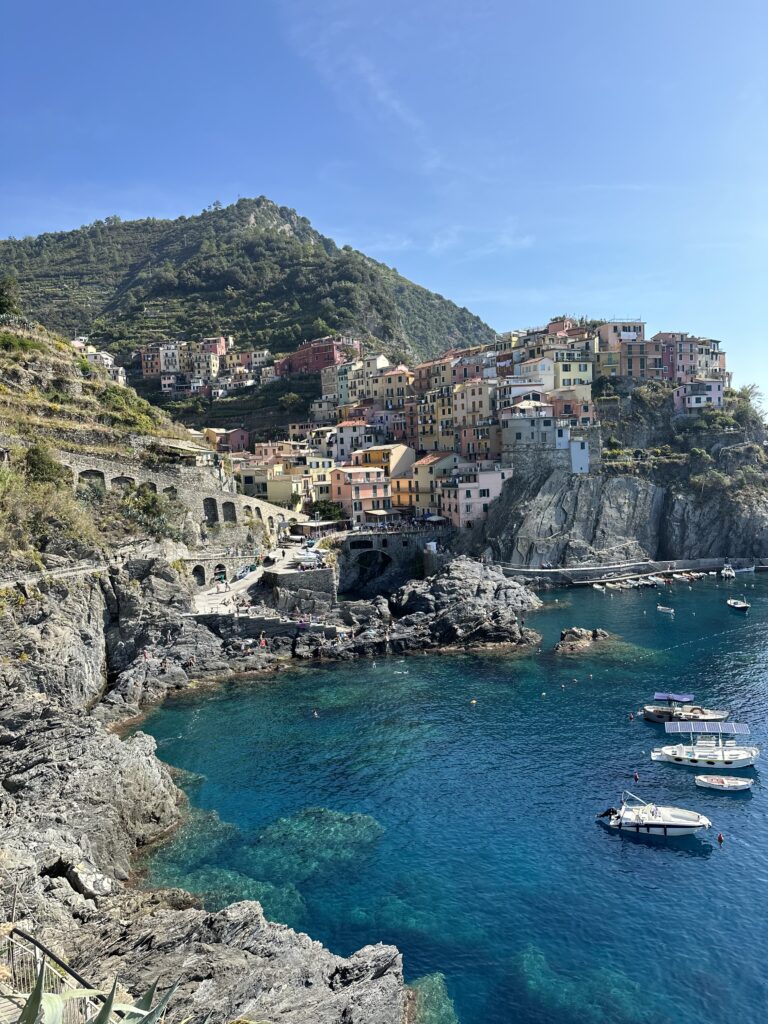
{"type": "Point", "coordinates": [290, 401]}
{"type": "Point", "coordinates": [9, 295]}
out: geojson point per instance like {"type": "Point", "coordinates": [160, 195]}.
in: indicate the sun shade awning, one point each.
{"type": "Point", "coordinates": [716, 728]}
{"type": "Point", "coordinates": [681, 698]}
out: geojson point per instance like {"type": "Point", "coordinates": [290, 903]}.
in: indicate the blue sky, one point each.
{"type": "Point", "coordinates": [522, 158]}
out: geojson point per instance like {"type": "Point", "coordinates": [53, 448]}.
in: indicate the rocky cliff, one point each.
{"type": "Point", "coordinates": [607, 518]}
{"type": "Point", "coordinates": [76, 802]}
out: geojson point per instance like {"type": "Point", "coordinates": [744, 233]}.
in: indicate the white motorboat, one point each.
{"type": "Point", "coordinates": [750, 568]}
{"type": "Point", "coordinates": [612, 586]}
{"type": "Point", "coordinates": [657, 581]}
{"type": "Point", "coordinates": [737, 605]}
{"type": "Point", "coordinates": [728, 572]}
{"type": "Point", "coordinates": [664, 608]}
{"type": "Point", "coordinates": [679, 707]}
{"type": "Point", "coordinates": [598, 586]}
{"type": "Point", "coordinates": [641, 818]}
{"type": "Point", "coordinates": [725, 783]}
{"type": "Point", "coordinates": [708, 746]}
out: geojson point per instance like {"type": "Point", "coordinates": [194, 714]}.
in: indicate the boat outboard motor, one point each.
{"type": "Point", "coordinates": [608, 814]}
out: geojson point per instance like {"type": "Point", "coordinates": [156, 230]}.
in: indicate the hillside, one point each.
{"type": "Point", "coordinates": [252, 269]}
{"type": "Point", "coordinates": [51, 398]}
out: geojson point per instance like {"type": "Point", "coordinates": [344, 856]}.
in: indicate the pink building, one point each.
{"type": "Point", "coordinates": [360, 490]}
{"type": "Point", "coordinates": [215, 346]}
{"type": "Point", "coordinates": [687, 358]}
{"type": "Point", "coordinates": [235, 440]}
{"type": "Point", "coordinates": [466, 496]}
{"type": "Point", "coordinates": [314, 356]}
{"type": "Point", "coordinates": [567, 405]}
{"type": "Point", "coordinates": [696, 395]}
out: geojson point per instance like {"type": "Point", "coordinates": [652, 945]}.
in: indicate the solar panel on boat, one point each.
{"type": "Point", "coordinates": [716, 728]}
{"type": "Point", "coordinates": [681, 698]}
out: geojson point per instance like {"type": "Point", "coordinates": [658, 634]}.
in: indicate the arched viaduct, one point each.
{"type": "Point", "coordinates": [207, 493]}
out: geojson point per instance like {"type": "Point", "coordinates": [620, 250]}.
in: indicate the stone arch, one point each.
{"type": "Point", "coordinates": [148, 485]}
{"type": "Point", "coordinates": [248, 511]}
{"type": "Point", "coordinates": [280, 517]}
{"type": "Point", "coordinates": [220, 572]}
{"type": "Point", "coordinates": [171, 492]}
{"type": "Point", "coordinates": [229, 512]}
{"type": "Point", "coordinates": [92, 476]}
{"type": "Point", "coordinates": [258, 512]}
{"type": "Point", "coordinates": [211, 511]}
{"type": "Point", "coordinates": [198, 575]}
{"type": "Point", "coordinates": [123, 482]}
{"type": "Point", "coordinates": [271, 524]}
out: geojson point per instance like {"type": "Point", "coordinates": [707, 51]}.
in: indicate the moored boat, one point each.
{"type": "Point", "coordinates": [727, 572]}
{"type": "Point", "coordinates": [598, 586]}
{"type": "Point", "coordinates": [679, 707]}
{"type": "Point", "coordinates": [737, 605]}
{"type": "Point", "coordinates": [725, 783]}
{"type": "Point", "coordinates": [664, 608]}
{"type": "Point", "coordinates": [641, 818]}
{"type": "Point", "coordinates": [708, 746]}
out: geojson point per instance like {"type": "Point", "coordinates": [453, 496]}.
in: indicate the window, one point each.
{"type": "Point", "coordinates": [518, 437]}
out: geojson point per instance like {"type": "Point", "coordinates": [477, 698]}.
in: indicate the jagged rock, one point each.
{"type": "Point", "coordinates": [465, 603]}
{"type": "Point", "coordinates": [575, 639]}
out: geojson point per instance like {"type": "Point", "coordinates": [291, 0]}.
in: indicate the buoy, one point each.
{"type": "Point", "coordinates": [590, 675]}
{"type": "Point", "coordinates": [631, 716]}
{"type": "Point", "coordinates": [720, 838]}
{"type": "Point", "coordinates": [473, 701]}
{"type": "Point", "coordinates": [544, 694]}
{"type": "Point", "coordinates": [562, 686]}
{"type": "Point", "coordinates": [636, 776]}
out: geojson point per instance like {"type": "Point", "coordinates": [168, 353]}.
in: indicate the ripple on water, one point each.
{"type": "Point", "coordinates": [464, 832]}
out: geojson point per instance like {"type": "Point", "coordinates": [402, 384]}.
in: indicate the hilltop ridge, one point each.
{"type": "Point", "coordinates": [254, 269]}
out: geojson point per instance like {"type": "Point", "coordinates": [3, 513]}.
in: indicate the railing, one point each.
{"type": "Point", "coordinates": [22, 956]}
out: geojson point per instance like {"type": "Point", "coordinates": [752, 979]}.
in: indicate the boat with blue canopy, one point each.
{"type": "Point", "coordinates": [679, 707]}
{"type": "Point", "coordinates": [714, 744]}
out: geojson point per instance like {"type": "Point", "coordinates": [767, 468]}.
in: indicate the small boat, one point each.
{"type": "Point", "coordinates": [725, 783]}
{"type": "Point", "coordinates": [598, 586]}
{"type": "Point", "coordinates": [727, 572]}
{"type": "Point", "coordinates": [641, 818]}
{"type": "Point", "coordinates": [612, 586]}
{"type": "Point", "coordinates": [708, 746]}
{"type": "Point", "coordinates": [750, 568]}
{"type": "Point", "coordinates": [664, 608]}
{"type": "Point", "coordinates": [657, 581]}
{"type": "Point", "coordinates": [679, 707]}
{"type": "Point", "coordinates": [737, 605]}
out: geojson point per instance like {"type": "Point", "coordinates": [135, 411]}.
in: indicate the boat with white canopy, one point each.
{"type": "Point", "coordinates": [641, 818]}
{"type": "Point", "coordinates": [728, 572]}
{"type": "Point", "coordinates": [679, 707]}
{"type": "Point", "coordinates": [707, 745]}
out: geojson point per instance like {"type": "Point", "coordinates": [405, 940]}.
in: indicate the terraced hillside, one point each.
{"type": "Point", "coordinates": [253, 269]}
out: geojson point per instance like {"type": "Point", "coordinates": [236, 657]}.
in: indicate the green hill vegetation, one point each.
{"type": "Point", "coordinates": [253, 269]}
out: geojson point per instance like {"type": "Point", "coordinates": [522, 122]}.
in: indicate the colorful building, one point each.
{"type": "Point", "coordinates": [466, 495]}
{"type": "Point", "coordinates": [360, 490]}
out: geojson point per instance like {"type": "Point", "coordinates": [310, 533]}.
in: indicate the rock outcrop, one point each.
{"type": "Point", "coordinates": [576, 640]}
{"type": "Point", "coordinates": [465, 603]}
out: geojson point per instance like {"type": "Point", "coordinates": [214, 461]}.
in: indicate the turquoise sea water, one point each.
{"type": "Point", "coordinates": [465, 834]}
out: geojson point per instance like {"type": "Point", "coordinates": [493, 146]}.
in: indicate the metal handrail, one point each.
{"type": "Point", "coordinates": [25, 955]}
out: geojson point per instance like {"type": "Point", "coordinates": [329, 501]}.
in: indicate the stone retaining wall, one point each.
{"type": "Point", "coordinates": [207, 492]}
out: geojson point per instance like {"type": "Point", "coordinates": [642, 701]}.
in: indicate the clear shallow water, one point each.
{"type": "Point", "coordinates": [465, 833]}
